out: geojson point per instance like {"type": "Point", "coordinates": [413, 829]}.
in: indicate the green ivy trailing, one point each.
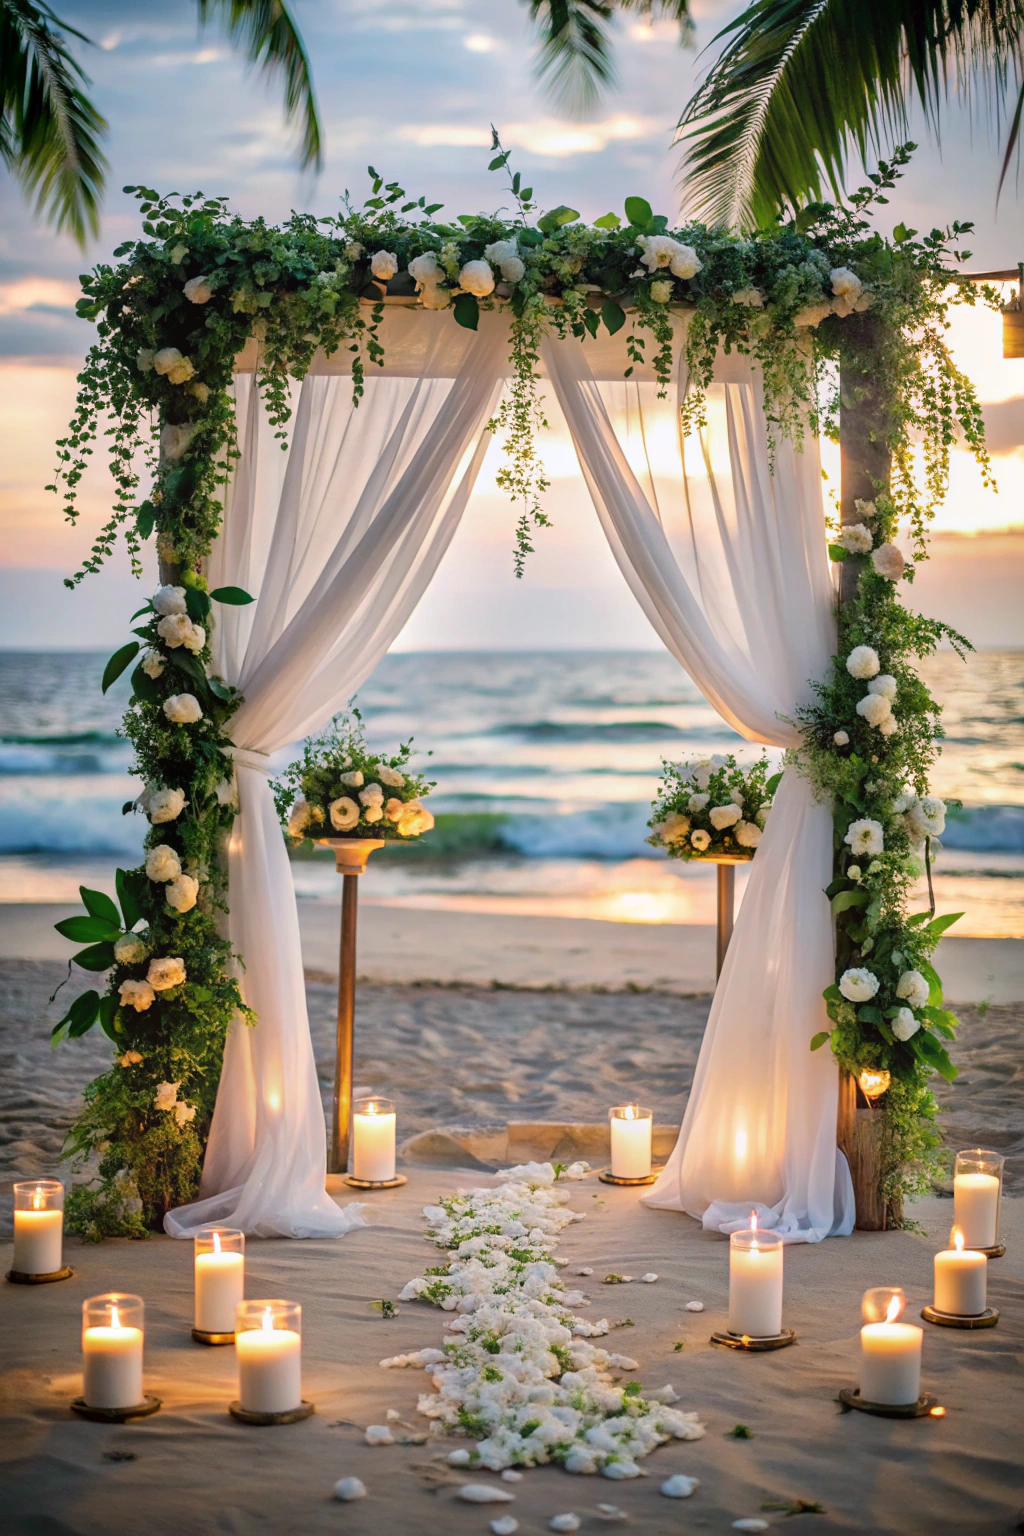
{"type": "Point", "coordinates": [172, 313]}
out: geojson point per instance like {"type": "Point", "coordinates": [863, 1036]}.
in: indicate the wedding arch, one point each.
{"type": "Point", "coordinates": [380, 349]}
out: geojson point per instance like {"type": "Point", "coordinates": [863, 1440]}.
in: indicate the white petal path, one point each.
{"type": "Point", "coordinates": [519, 1375]}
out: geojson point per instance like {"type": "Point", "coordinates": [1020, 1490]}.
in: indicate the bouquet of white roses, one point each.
{"type": "Point", "coordinates": [712, 807]}
{"type": "Point", "coordinates": [339, 788]}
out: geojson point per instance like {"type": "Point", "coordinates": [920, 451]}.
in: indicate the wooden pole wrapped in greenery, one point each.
{"type": "Point", "coordinates": [805, 298]}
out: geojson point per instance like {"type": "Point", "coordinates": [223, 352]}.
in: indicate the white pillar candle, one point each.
{"type": "Point", "coordinates": [269, 1367]}
{"type": "Point", "coordinates": [373, 1140]}
{"type": "Point", "coordinates": [755, 1283]}
{"type": "Point", "coordinates": [38, 1242]}
{"type": "Point", "coordinates": [112, 1362]}
{"type": "Point", "coordinates": [976, 1208]}
{"type": "Point", "coordinates": [631, 1142]}
{"type": "Point", "coordinates": [961, 1279]}
{"type": "Point", "coordinates": [219, 1284]}
{"type": "Point", "coordinates": [890, 1359]}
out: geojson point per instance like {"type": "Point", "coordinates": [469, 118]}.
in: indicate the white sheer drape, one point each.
{"type": "Point", "coordinates": [337, 540]}
{"type": "Point", "coordinates": [731, 571]}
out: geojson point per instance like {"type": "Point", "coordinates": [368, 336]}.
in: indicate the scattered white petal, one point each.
{"type": "Point", "coordinates": [564, 1522]}
{"type": "Point", "coordinates": [679, 1487]}
{"type": "Point", "coordinates": [460, 1458]}
{"type": "Point", "coordinates": [379, 1434]}
{"type": "Point", "coordinates": [393, 1415]}
{"type": "Point", "coordinates": [750, 1525]}
{"type": "Point", "coordinates": [510, 1475]}
{"type": "Point", "coordinates": [618, 1471]}
{"type": "Point", "coordinates": [666, 1394]}
{"type": "Point", "coordinates": [649, 1279]}
{"type": "Point", "coordinates": [484, 1493]}
{"type": "Point", "coordinates": [348, 1488]}
{"type": "Point", "coordinates": [587, 1270]}
{"type": "Point", "coordinates": [611, 1512]}
{"type": "Point", "coordinates": [695, 1306]}
{"type": "Point", "coordinates": [504, 1525]}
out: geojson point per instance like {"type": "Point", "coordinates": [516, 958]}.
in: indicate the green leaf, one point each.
{"type": "Point", "coordinates": [934, 981]}
{"type": "Point", "coordinates": [467, 311]}
{"type": "Point", "coordinates": [832, 994]}
{"type": "Point", "coordinates": [146, 608]}
{"type": "Point", "coordinates": [556, 218]}
{"type": "Point", "coordinates": [197, 604]}
{"type": "Point", "coordinates": [130, 888]}
{"type": "Point", "coordinates": [107, 1011]}
{"type": "Point", "coordinates": [847, 899]}
{"type": "Point", "coordinates": [869, 1013]}
{"type": "Point", "coordinates": [189, 664]}
{"type": "Point", "coordinates": [236, 596]}
{"type": "Point", "coordinates": [901, 234]}
{"type": "Point", "coordinates": [837, 554]}
{"type": "Point", "coordinates": [942, 1020]}
{"type": "Point", "coordinates": [98, 904]}
{"type": "Point", "coordinates": [499, 161]}
{"type": "Point", "coordinates": [639, 211]}
{"type": "Point", "coordinates": [607, 221]}
{"type": "Point", "coordinates": [818, 1040]}
{"type": "Point", "coordinates": [613, 315]}
{"type": "Point", "coordinates": [774, 782]}
{"type": "Point", "coordinates": [918, 917]}
{"type": "Point", "coordinates": [939, 925]}
{"type": "Point", "coordinates": [145, 687]}
{"type": "Point", "coordinates": [145, 518]}
{"type": "Point", "coordinates": [117, 663]}
{"type": "Point", "coordinates": [928, 1049]}
{"type": "Point", "coordinates": [81, 1016]}
{"type": "Point", "coordinates": [219, 689]}
{"type": "Point", "coordinates": [98, 957]}
{"type": "Point", "coordinates": [87, 930]}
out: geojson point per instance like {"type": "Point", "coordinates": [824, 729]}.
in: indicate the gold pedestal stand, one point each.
{"type": "Point", "coordinates": [986, 1319]}
{"type": "Point", "coordinates": [20, 1277]}
{"type": "Point", "coordinates": [292, 1416]}
{"type": "Point", "coordinates": [202, 1337]}
{"type": "Point", "coordinates": [116, 1415]}
{"type": "Point", "coordinates": [752, 1345]}
{"type": "Point", "coordinates": [607, 1177]}
{"type": "Point", "coordinates": [926, 1404]}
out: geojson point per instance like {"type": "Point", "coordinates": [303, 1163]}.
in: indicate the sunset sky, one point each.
{"type": "Point", "coordinates": [412, 86]}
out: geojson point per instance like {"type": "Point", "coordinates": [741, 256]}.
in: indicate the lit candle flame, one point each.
{"type": "Point", "coordinates": [38, 1199]}
{"type": "Point", "coordinates": [629, 1113]}
{"type": "Point", "coordinates": [371, 1108]}
{"type": "Point", "coordinates": [115, 1318]}
{"type": "Point", "coordinates": [216, 1242]}
{"type": "Point", "coordinates": [268, 1320]}
{"type": "Point", "coordinates": [894, 1309]}
{"type": "Point", "coordinates": [958, 1240]}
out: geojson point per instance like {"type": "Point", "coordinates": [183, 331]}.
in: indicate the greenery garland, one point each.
{"type": "Point", "coordinates": [173, 313]}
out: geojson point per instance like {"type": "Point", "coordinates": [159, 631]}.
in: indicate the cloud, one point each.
{"type": "Point", "coordinates": [552, 137]}
{"type": "Point", "coordinates": [32, 292]}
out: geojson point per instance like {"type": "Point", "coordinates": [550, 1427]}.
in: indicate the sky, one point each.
{"type": "Point", "coordinates": [411, 86]}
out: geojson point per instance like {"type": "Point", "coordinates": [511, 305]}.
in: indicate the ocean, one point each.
{"type": "Point", "coordinates": [545, 766]}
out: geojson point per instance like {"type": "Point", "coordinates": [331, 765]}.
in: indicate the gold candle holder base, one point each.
{"type": "Point", "coordinates": [986, 1319]}
{"type": "Point", "coordinates": [607, 1177]}
{"type": "Point", "coordinates": [202, 1337]}
{"type": "Point", "coordinates": [751, 1344]}
{"type": "Point", "coordinates": [116, 1415]}
{"type": "Point", "coordinates": [395, 1183]}
{"type": "Point", "coordinates": [19, 1277]}
{"type": "Point", "coordinates": [993, 1253]}
{"type": "Point", "coordinates": [292, 1416]}
{"type": "Point", "coordinates": [926, 1404]}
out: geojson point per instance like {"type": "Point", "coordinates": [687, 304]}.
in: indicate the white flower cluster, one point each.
{"type": "Point", "coordinates": [661, 252]}
{"type": "Point", "coordinates": [518, 1375]}
{"type": "Point", "coordinates": [849, 297]}
{"type": "Point", "coordinates": [166, 1099]}
{"type": "Point", "coordinates": [675, 830]}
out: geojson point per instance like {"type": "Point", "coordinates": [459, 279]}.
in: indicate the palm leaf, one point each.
{"type": "Point", "coordinates": [272, 41]}
{"type": "Point", "coordinates": [799, 83]}
{"type": "Point", "coordinates": [575, 55]}
{"type": "Point", "coordinates": [49, 130]}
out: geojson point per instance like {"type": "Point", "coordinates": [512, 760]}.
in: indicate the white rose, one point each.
{"type": "Point", "coordinates": [701, 776]}
{"type": "Point", "coordinates": [865, 509]}
{"type": "Point", "coordinates": [390, 776]}
{"type": "Point", "coordinates": [129, 1059]}
{"type": "Point", "coordinates": [353, 250]}
{"type": "Point", "coordinates": [885, 684]}
{"type": "Point", "coordinates": [374, 812]}
{"type": "Point", "coordinates": [889, 726]}
{"type": "Point", "coordinates": [845, 284]}
{"type": "Point", "coordinates": [183, 1113]}
{"type": "Point", "coordinates": [762, 816]}
{"type": "Point", "coordinates": [865, 837]}
{"type": "Point", "coordinates": [864, 301]}
{"type": "Point", "coordinates": [344, 813]}
{"type": "Point", "coordinates": [685, 263]}
{"type": "Point", "coordinates": [169, 600]}
{"type": "Point", "coordinates": [352, 780]}
{"type": "Point", "coordinates": [748, 834]}
{"type": "Point", "coordinates": [383, 265]}
{"type": "Point", "coordinates": [904, 1024]}
{"type": "Point", "coordinates": [513, 269]}
{"type": "Point", "coordinates": [888, 561]}
{"type": "Point", "coordinates": [863, 662]}
{"type": "Point", "coordinates": [372, 795]}
{"type": "Point", "coordinates": [166, 805]}
{"type": "Point", "coordinates": [435, 297]}
{"type": "Point", "coordinates": [477, 277]}
{"type": "Point", "coordinates": [130, 949]}
{"type": "Point", "coordinates": [136, 994]}
{"type": "Point", "coordinates": [841, 739]}
{"type": "Point", "coordinates": [166, 973]}
{"type": "Point", "coordinates": [167, 359]}
{"type": "Point", "coordinates": [426, 269]}
{"type": "Point", "coordinates": [198, 291]}
{"type": "Point", "coordinates": [152, 664]}
{"type": "Point", "coordinates": [736, 796]}
{"type": "Point", "coordinates": [927, 816]}
{"type": "Point", "coordinates": [854, 872]}
{"type": "Point", "coordinates": [416, 820]}
{"type": "Point", "coordinates": [723, 816]}
{"type": "Point", "coordinates": [812, 314]}
{"type": "Point", "coordinates": [298, 817]}
{"type": "Point", "coordinates": [499, 251]}
{"type": "Point", "coordinates": [178, 629]}
{"type": "Point", "coordinates": [749, 298]}
{"type": "Point", "coordinates": [144, 359]}
{"type": "Point", "coordinates": [843, 306]}
{"type": "Point", "coordinates": [201, 392]}
{"type": "Point", "coordinates": [855, 538]}
{"type": "Point", "coordinates": [183, 893]}
{"type": "Point", "coordinates": [700, 840]}
{"type": "Point", "coordinates": [178, 253]}
{"type": "Point", "coordinates": [394, 810]}
{"type": "Point", "coordinates": [661, 290]}
{"type": "Point", "coordinates": [874, 708]}
{"type": "Point", "coordinates": [658, 250]}
{"type": "Point", "coordinates": [697, 802]}
{"type": "Point", "coordinates": [182, 709]}
{"type": "Point", "coordinates": [913, 989]}
{"type": "Point", "coordinates": [162, 863]}
{"type": "Point", "coordinates": [858, 985]}
{"type": "Point", "coordinates": [166, 1096]}
{"type": "Point", "coordinates": [174, 440]}
{"type": "Point", "coordinates": [225, 792]}
{"type": "Point", "coordinates": [673, 827]}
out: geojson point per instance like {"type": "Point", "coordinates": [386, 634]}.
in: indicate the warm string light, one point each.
{"type": "Point", "coordinates": [873, 1084]}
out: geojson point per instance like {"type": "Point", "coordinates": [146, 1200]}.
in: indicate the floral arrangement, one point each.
{"type": "Point", "coordinates": [712, 807]}
{"type": "Point", "coordinates": [176, 306]}
{"type": "Point", "coordinates": [339, 788]}
{"type": "Point", "coordinates": [519, 1375]}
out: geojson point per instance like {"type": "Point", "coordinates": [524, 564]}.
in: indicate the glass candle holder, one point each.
{"type": "Point", "coordinates": [373, 1140]}
{"type": "Point", "coordinates": [112, 1336]}
{"type": "Point", "coordinates": [631, 1127]}
{"type": "Point", "coordinates": [268, 1346]}
{"type": "Point", "coordinates": [38, 1227]}
{"type": "Point", "coordinates": [890, 1351]}
{"type": "Point", "coordinates": [977, 1186]}
{"type": "Point", "coordinates": [755, 1283]}
{"type": "Point", "coordinates": [219, 1278]}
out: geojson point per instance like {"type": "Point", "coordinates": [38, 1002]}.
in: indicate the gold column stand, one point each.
{"type": "Point", "coordinates": [292, 1416]}
{"type": "Point", "coordinates": [752, 1345]}
{"type": "Point", "coordinates": [19, 1277]}
{"type": "Point", "coordinates": [850, 1398]}
{"type": "Point", "coordinates": [607, 1177]}
{"type": "Point", "coordinates": [986, 1319]}
{"type": "Point", "coordinates": [371, 1184]}
{"type": "Point", "coordinates": [202, 1337]}
{"type": "Point", "coordinates": [116, 1415]}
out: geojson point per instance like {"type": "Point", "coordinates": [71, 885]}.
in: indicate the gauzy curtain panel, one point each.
{"type": "Point", "coordinates": [729, 564]}
{"type": "Point", "coordinates": [337, 540]}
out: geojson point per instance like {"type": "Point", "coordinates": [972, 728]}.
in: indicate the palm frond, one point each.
{"type": "Point", "coordinates": [49, 129]}
{"type": "Point", "coordinates": [799, 83]}
{"type": "Point", "coordinates": [575, 58]}
{"type": "Point", "coordinates": [272, 41]}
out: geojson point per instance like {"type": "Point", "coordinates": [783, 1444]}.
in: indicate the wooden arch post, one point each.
{"type": "Point", "coordinates": [865, 470]}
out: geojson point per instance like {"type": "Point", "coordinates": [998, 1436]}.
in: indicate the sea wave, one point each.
{"type": "Point", "coordinates": [88, 824]}
{"type": "Point", "coordinates": [986, 829]}
{"type": "Point", "coordinates": [608, 731]}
